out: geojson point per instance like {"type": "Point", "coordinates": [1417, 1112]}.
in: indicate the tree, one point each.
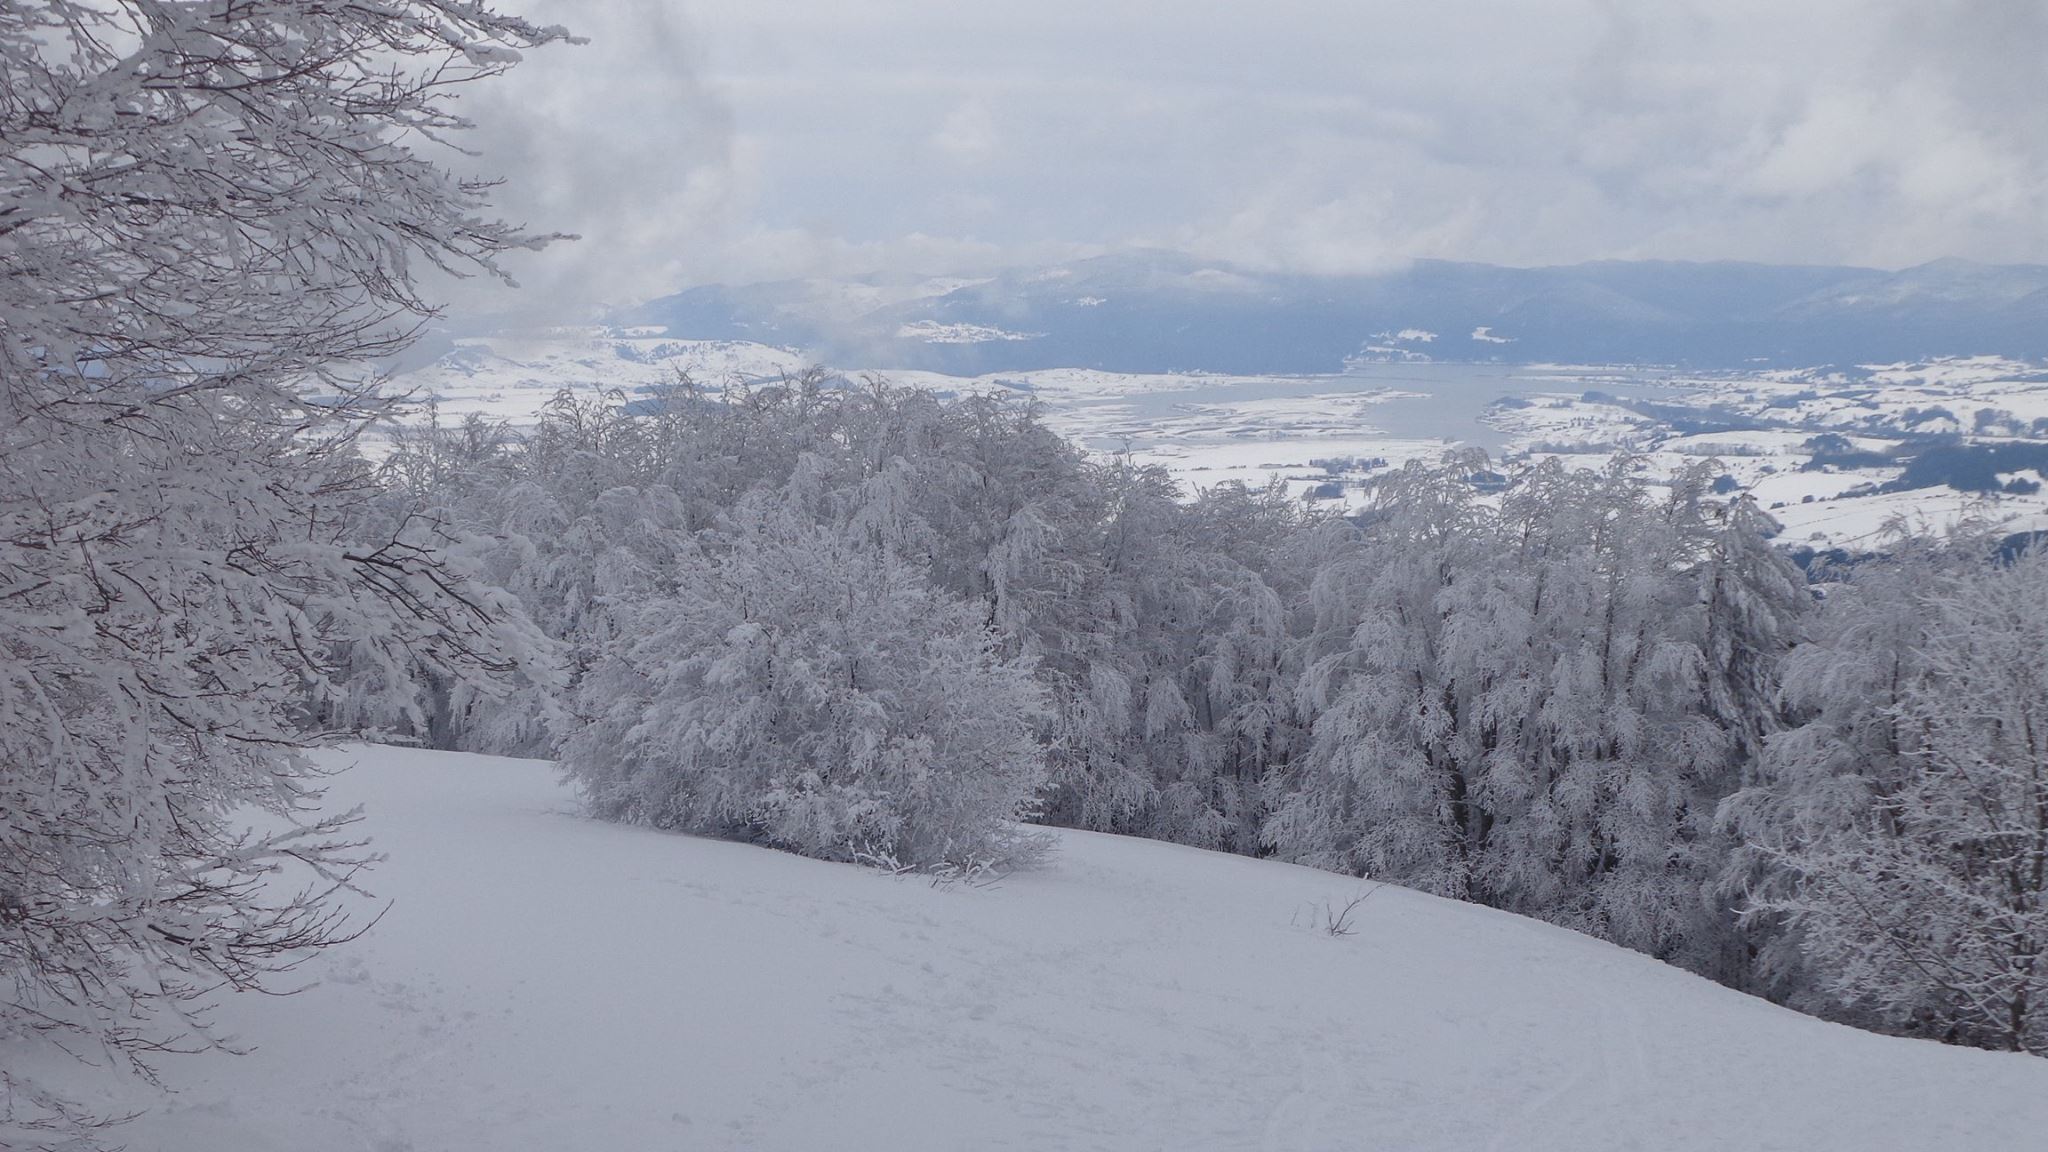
{"type": "Point", "coordinates": [1900, 832]}
{"type": "Point", "coordinates": [1384, 788]}
{"type": "Point", "coordinates": [817, 694]}
{"type": "Point", "coordinates": [211, 214]}
{"type": "Point", "coordinates": [1537, 704]}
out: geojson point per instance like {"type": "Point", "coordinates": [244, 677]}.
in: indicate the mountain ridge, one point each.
{"type": "Point", "coordinates": [1153, 311]}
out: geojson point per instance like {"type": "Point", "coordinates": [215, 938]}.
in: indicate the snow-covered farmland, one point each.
{"type": "Point", "coordinates": [1210, 429]}
{"type": "Point", "coordinates": [512, 378]}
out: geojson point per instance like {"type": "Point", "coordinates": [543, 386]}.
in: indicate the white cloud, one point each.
{"type": "Point", "coordinates": [619, 141]}
{"type": "Point", "coordinates": [818, 136]}
{"type": "Point", "coordinates": [969, 133]}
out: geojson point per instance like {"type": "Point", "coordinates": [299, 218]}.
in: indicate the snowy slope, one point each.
{"type": "Point", "coordinates": [545, 982]}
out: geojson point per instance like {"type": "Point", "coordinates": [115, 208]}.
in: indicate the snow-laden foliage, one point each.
{"type": "Point", "coordinates": [1901, 830]}
{"type": "Point", "coordinates": [209, 217]}
{"type": "Point", "coordinates": [817, 693]}
{"type": "Point", "coordinates": [1157, 627]}
{"type": "Point", "coordinates": [199, 195]}
{"type": "Point", "coordinates": [1529, 702]}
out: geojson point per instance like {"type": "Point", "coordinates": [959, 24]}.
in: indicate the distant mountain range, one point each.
{"type": "Point", "coordinates": [1150, 311]}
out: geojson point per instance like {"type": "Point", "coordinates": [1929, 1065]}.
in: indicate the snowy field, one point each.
{"type": "Point", "coordinates": [1210, 429]}
{"type": "Point", "coordinates": [1874, 410]}
{"type": "Point", "coordinates": [545, 982]}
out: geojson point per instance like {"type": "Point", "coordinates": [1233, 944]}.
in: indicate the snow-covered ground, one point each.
{"type": "Point", "coordinates": [545, 982]}
{"type": "Point", "coordinates": [512, 378]}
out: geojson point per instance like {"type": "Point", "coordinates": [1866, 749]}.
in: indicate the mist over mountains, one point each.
{"type": "Point", "coordinates": [1153, 311]}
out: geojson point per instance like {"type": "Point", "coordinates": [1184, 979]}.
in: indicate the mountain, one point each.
{"type": "Point", "coordinates": [543, 981]}
{"type": "Point", "coordinates": [1152, 311]}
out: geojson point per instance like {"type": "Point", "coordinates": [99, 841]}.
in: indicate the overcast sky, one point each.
{"type": "Point", "coordinates": [704, 140]}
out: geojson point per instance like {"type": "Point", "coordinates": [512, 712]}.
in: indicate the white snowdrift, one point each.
{"type": "Point", "coordinates": [543, 981]}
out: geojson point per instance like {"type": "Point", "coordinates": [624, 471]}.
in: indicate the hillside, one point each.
{"type": "Point", "coordinates": [543, 981]}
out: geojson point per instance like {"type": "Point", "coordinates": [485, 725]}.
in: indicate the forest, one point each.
{"type": "Point", "coordinates": [872, 623]}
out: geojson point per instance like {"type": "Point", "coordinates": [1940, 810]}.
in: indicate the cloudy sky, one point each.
{"type": "Point", "coordinates": [705, 140]}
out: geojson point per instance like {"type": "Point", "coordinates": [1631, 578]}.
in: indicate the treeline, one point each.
{"type": "Point", "coordinates": [874, 623]}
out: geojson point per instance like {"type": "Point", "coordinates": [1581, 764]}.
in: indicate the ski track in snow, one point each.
{"type": "Point", "coordinates": [547, 982]}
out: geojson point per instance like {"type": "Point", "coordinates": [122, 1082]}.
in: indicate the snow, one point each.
{"type": "Point", "coordinates": [1555, 420]}
{"type": "Point", "coordinates": [512, 378]}
{"type": "Point", "coordinates": [934, 332]}
{"type": "Point", "coordinates": [1862, 523]}
{"type": "Point", "coordinates": [544, 981]}
{"type": "Point", "coordinates": [1265, 419]}
{"type": "Point", "coordinates": [1207, 463]}
{"type": "Point", "coordinates": [1281, 423]}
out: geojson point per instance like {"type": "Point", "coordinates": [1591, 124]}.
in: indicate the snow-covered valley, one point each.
{"type": "Point", "coordinates": [1324, 435]}
{"type": "Point", "coordinates": [541, 981]}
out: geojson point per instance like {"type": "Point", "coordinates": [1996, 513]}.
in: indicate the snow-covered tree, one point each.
{"type": "Point", "coordinates": [1382, 789]}
{"type": "Point", "coordinates": [210, 216]}
{"type": "Point", "coordinates": [815, 693]}
{"type": "Point", "coordinates": [1525, 702]}
{"type": "Point", "coordinates": [1900, 833]}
